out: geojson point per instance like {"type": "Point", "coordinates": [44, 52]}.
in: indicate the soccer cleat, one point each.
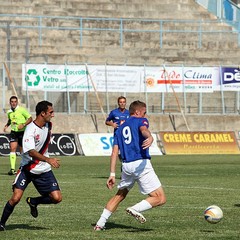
{"type": "Point", "coordinates": [2, 227]}
{"type": "Point", "coordinates": [33, 208]}
{"type": "Point", "coordinates": [98, 228]}
{"type": "Point", "coordinates": [12, 172]}
{"type": "Point", "coordinates": [137, 215]}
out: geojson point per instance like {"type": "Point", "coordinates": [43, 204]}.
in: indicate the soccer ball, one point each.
{"type": "Point", "coordinates": [213, 214]}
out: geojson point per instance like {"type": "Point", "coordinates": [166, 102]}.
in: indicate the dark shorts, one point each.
{"type": "Point", "coordinates": [45, 183]}
{"type": "Point", "coordinates": [16, 137]}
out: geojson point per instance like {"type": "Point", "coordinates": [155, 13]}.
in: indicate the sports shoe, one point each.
{"type": "Point", "coordinates": [98, 228]}
{"type": "Point", "coordinates": [12, 172]}
{"type": "Point", "coordinates": [137, 215]}
{"type": "Point", "coordinates": [2, 227]}
{"type": "Point", "coordinates": [33, 208]}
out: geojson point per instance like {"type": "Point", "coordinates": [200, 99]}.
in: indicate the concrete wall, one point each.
{"type": "Point", "coordinates": [65, 123]}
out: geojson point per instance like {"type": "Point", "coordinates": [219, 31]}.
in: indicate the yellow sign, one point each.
{"type": "Point", "coordinates": [199, 142]}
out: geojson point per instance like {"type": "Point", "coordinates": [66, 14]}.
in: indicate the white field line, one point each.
{"type": "Point", "coordinates": [204, 188]}
{"type": "Point", "coordinates": [182, 187]}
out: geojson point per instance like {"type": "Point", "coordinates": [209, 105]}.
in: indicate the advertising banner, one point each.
{"type": "Point", "coordinates": [181, 79]}
{"type": "Point", "coordinates": [60, 145]}
{"type": "Point", "coordinates": [117, 78]}
{"type": "Point", "coordinates": [75, 78]}
{"type": "Point", "coordinates": [81, 78]}
{"type": "Point", "coordinates": [199, 142]}
{"type": "Point", "coordinates": [63, 145]}
{"type": "Point", "coordinates": [229, 79]}
{"type": "Point", "coordinates": [44, 77]}
{"type": "Point", "coordinates": [100, 144]}
{"type": "Point", "coordinates": [4, 145]}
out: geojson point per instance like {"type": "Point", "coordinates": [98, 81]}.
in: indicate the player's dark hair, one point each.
{"type": "Point", "coordinates": [13, 97]}
{"type": "Point", "coordinates": [135, 106]}
{"type": "Point", "coordinates": [121, 97]}
{"type": "Point", "coordinates": [42, 107]}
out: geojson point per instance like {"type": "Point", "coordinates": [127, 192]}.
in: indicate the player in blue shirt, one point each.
{"type": "Point", "coordinates": [119, 115]}
{"type": "Point", "coordinates": [133, 139]}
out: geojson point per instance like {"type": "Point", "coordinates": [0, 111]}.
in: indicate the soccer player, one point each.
{"type": "Point", "coordinates": [119, 115]}
{"type": "Point", "coordinates": [133, 138]}
{"type": "Point", "coordinates": [35, 166]}
{"type": "Point", "coordinates": [18, 118]}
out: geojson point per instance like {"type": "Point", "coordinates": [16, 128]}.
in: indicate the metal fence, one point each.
{"type": "Point", "coordinates": [80, 26]}
{"type": "Point", "coordinates": [217, 102]}
{"type": "Point", "coordinates": [40, 26]}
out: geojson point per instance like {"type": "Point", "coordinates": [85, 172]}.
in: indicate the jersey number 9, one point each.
{"type": "Point", "coordinates": [127, 134]}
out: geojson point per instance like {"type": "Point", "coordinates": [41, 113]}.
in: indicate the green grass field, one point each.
{"type": "Point", "coordinates": [191, 183]}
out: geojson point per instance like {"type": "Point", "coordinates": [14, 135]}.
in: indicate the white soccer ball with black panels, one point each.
{"type": "Point", "coordinates": [213, 214]}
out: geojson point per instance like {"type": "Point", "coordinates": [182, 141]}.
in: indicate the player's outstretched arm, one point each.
{"type": "Point", "coordinates": [111, 180]}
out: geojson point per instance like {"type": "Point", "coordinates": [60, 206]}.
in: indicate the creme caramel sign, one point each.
{"type": "Point", "coordinates": [199, 142]}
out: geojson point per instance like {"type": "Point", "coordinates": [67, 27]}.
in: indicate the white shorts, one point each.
{"type": "Point", "coordinates": [142, 172]}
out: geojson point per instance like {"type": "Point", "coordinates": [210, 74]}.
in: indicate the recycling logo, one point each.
{"type": "Point", "coordinates": [32, 78]}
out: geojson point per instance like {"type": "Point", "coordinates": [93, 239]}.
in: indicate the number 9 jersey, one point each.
{"type": "Point", "coordinates": [129, 140]}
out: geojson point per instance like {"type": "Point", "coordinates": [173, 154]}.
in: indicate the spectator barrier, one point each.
{"type": "Point", "coordinates": [100, 144]}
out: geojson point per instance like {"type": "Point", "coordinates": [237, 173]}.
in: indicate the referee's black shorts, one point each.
{"type": "Point", "coordinates": [16, 137]}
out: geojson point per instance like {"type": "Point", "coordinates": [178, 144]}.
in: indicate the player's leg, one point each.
{"type": "Point", "coordinates": [124, 186]}
{"type": "Point", "coordinates": [157, 197]}
{"type": "Point", "coordinates": [19, 185]}
{"type": "Point", "coordinates": [53, 198]}
{"type": "Point", "coordinates": [149, 184]}
{"type": "Point", "coordinates": [13, 156]}
{"type": "Point", "coordinates": [48, 187]}
{"type": "Point", "coordinates": [56, 196]}
{"type": "Point", "coordinates": [115, 200]}
{"type": "Point", "coordinates": [9, 207]}
{"type": "Point", "coordinates": [20, 139]}
{"type": "Point", "coordinates": [111, 207]}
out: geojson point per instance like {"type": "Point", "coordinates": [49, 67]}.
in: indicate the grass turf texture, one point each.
{"type": "Point", "coordinates": [191, 183]}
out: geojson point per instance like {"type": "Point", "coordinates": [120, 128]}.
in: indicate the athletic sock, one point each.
{"type": "Point", "coordinates": [7, 211]}
{"type": "Point", "coordinates": [142, 206]}
{"type": "Point", "coordinates": [41, 200]}
{"type": "Point", "coordinates": [104, 217]}
{"type": "Point", "coordinates": [13, 158]}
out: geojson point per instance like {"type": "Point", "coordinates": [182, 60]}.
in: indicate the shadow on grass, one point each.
{"type": "Point", "coordinates": [23, 226]}
{"type": "Point", "coordinates": [106, 177]}
{"type": "Point", "coordinates": [207, 231]}
{"type": "Point", "coordinates": [237, 205]}
{"type": "Point", "coordinates": [101, 177]}
{"type": "Point", "coordinates": [111, 225]}
{"type": "Point", "coordinates": [6, 174]}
